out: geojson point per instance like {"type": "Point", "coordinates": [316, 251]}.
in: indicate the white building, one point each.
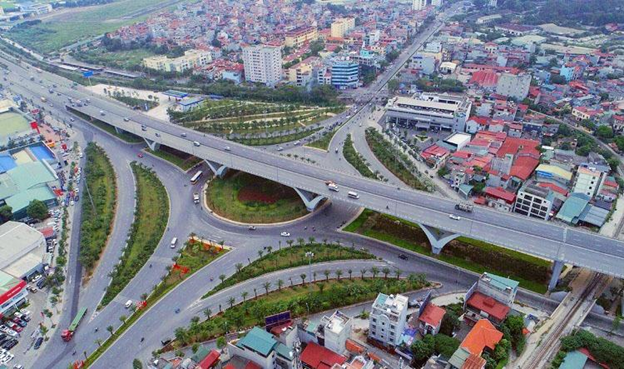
{"type": "Point", "coordinates": [387, 319]}
{"type": "Point", "coordinates": [190, 60]}
{"type": "Point", "coordinates": [263, 64]}
{"type": "Point", "coordinates": [22, 250]}
{"type": "Point", "coordinates": [336, 331]}
{"type": "Point", "coordinates": [342, 26]}
{"type": "Point", "coordinates": [534, 201]}
{"type": "Point", "coordinates": [514, 85]}
{"type": "Point", "coordinates": [589, 181]}
{"type": "Point", "coordinates": [426, 63]}
{"type": "Point", "coordinates": [436, 3]}
{"type": "Point", "coordinates": [429, 111]}
{"type": "Point", "coordinates": [419, 4]}
{"type": "Point", "coordinates": [260, 347]}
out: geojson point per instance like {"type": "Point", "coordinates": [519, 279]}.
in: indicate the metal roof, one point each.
{"type": "Point", "coordinates": [16, 241]}
{"type": "Point", "coordinates": [258, 340]}
{"type": "Point", "coordinates": [573, 207]}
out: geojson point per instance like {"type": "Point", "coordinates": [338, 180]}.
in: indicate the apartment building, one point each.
{"type": "Point", "coordinates": [305, 72]}
{"type": "Point", "coordinates": [263, 64]}
{"type": "Point", "coordinates": [300, 35]}
{"type": "Point", "coordinates": [589, 181]}
{"type": "Point", "coordinates": [345, 74]}
{"type": "Point", "coordinates": [341, 26]}
{"type": "Point", "coordinates": [419, 4]}
{"type": "Point", "coordinates": [429, 112]}
{"type": "Point", "coordinates": [514, 85]}
{"type": "Point", "coordinates": [425, 63]}
{"type": "Point", "coordinates": [387, 319]}
{"type": "Point", "coordinates": [534, 201]}
{"type": "Point", "coordinates": [336, 329]}
{"type": "Point", "coordinates": [190, 59]}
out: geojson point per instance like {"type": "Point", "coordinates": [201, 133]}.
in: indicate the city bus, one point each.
{"type": "Point", "coordinates": [196, 177]}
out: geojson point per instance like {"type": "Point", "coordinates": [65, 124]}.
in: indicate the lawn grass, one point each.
{"type": "Point", "coordinates": [151, 215]}
{"type": "Point", "coordinates": [290, 257]}
{"type": "Point", "coordinates": [99, 202]}
{"type": "Point", "coordinates": [192, 257]}
{"type": "Point", "coordinates": [170, 155]}
{"type": "Point", "coordinates": [531, 272]}
{"type": "Point", "coordinates": [355, 159]}
{"type": "Point", "coordinates": [323, 142]}
{"type": "Point", "coordinates": [275, 203]}
{"type": "Point", "coordinates": [264, 141]}
{"type": "Point", "coordinates": [122, 59]}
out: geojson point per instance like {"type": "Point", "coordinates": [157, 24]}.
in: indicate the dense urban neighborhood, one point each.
{"type": "Point", "coordinates": [311, 184]}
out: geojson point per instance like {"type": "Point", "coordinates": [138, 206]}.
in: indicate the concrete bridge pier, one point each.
{"type": "Point", "coordinates": [216, 168]}
{"type": "Point", "coordinates": [437, 238]}
{"type": "Point", "coordinates": [556, 272]}
{"type": "Point", "coordinates": [311, 200]}
{"type": "Point", "coordinates": [153, 145]}
{"type": "Point", "coordinates": [119, 130]}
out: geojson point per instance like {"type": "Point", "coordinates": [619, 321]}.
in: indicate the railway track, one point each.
{"type": "Point", "coordinates": [550, 343]}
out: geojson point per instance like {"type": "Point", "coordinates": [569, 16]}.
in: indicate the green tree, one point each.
{"type": "Point", "coordinates": [450, 322]}
{"type": "Point", "coordinates": [393, 85]}
{"type": "Point", "coordinates": [37, 210]}
{"type": "Point", "coordinates": [136, 364]}
{"type": "Point", "coordinates": [221, 342]}
{"type": "Point", "coordinates": [423, 349]}
{"type": "Point", "coordinates": [6, 213]}
{"type": "Point", "coordinates": [445, 345]}
{"type": "Point", "coordinates": [604, 132]}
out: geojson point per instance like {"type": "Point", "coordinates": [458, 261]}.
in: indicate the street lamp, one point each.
{"type": "Point", "coordinates": [309, 255]}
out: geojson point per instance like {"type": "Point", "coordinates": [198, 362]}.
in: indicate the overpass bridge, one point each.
{"type": "Point", "coordinates": [539, 238]}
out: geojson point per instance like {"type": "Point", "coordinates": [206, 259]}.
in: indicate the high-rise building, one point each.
{"type": "Point", "coordinates": [419, 4]}
{"type": "Point", "coordinates": [263, 64]}
{"type": "Point", "coordinates": [387, 319]}
{"type": "Point", "coordinates": [345, 74]}
{"type": "Point", "coordinates": [341, 26]}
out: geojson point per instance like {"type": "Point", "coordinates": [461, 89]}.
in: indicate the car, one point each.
{"type": "Point", "coordinates": [454, 217]}
{"type": "Point", "coordinates": [279, 148]}
{"type": "Point", "coordinates": [143, 127]}
{"type": "Point", "coordinates": [252, 228]}
{"type": "Point", "coordinates": [38, 343]}
{"type": "Point", "coordinates": [71, 119]}
{"type": "Point", "coordinates": [126, 120]}
{"type": "Point", "coordinates": [196, 144]}
{"type": "Point", "coordinates": [140, 155]}
{"type": "Point", "coordinates": [128, 304]}
{"type": "Point", "coordinates": [285, 234]}
{"type": "Point", "coordinates": [20, 322]}
{"type": "Point", "coordinates": [227, 148]}
{"type": "Point", "coordinates": [157, 134]}
{"type": "Point", "coordinates": [174, 241]}
{"type": "Point", "coordinates": [165, 341]}
{"type": "Point", "coordinates": [183, 134]}
{"type": "Point", "coordinates": [403, 257]}
{"type": "Point", "coordinates": [15, 327]}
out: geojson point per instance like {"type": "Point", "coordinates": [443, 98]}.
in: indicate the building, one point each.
{"type": "Point", "coordinates": [341, 26]}
{"type": "Point", "coordinates": [22, 183]}
{"type": "Point", "coordinates": [430, 321]}
{"type": "Point", "coordinates": [318, 357]}
{"type": "Point", "coordinates": [491, 297]}
{"type": "Point", "coordinates": [190, 60]}
{"type": "Point", "coordinates": [13, 293]}
{"type": "Point", "coordinates": [589, 181]}
{"type": "Point", "coordinates": [387, 319]}
{"type": "Point", "coordinates": [499, 198]}
{"type": "Point", "coordinates": [304, 73]}
{"type": "Point", "coordinates": [34, 8]}
{"type": "Point", "coordinates": [15, 127]}
{"type": "Point", "coordinates": [425, 63]}
{"type": "Point", "coordinates": [22, 250]}
{"type": "Point", "coordinates": [419, 4]}
{"type": "Point", "coordinates": [336, 329]}
{"type": "Point", "coordinates": [263, 64]}
{"type": "Point", "coordinates": [482, 337]}
{"type": "Point", "coordinates": [534, 201]}
{"type": "Point", "coordinates": [300, 36]}
{"type": "Point", "coordinates": [190, 103]}
{"type": "Point", "coordinates": [261, 348]}
{"type": "Point", "coordinates": [429, 112]}
{"type": "Point", "coordinates": [345, 74]}
{"type": "Point", "coordinates": [514, 85]}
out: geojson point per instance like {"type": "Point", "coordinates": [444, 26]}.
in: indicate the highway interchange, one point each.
{"type": "Point", "coordinates": [160, 321]}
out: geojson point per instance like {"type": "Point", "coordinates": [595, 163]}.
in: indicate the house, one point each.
{"type": "Point", "coordinates": [318, 357]}
{"type": "Point", "coordinates": [491, 297]}
{"type": "Point", "coordinates": [430, 321]}
{"type": "Point", "coordinates": [387, 319]}
{"type": "Point", "coordinates": [500, 199]}
{"type": "Point", "coordinates": [261, 348]}
{"type": "Point", "coordinates": [482, 337]}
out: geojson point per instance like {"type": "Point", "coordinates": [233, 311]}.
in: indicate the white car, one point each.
{"type": "Point", "coordinates": [285, 234]}
{"type": "Point", "coordinates": [454, 217]}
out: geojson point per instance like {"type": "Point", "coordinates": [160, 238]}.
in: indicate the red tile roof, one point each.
{"type": "Point", "coordinates": [499, 193]}
{"type": "Point", "coordinates": [484, 78]}
{"type": "Point", "coordinates": [554, 187]}
{"type": "Point", "coordinates": [487, 304]}
{"type": "Point", "coordinates": [523, 167]}
{"type": "Point", "coordinates": [482, 335]}
{"type": "Point", "coordinates": [515, 146]}
{"type": "Point", "coordinates": [318, 357]}
{"type": "Point", "coordinates": [210, 360]}
{"type": "Point", "coordinates": [474, 362]}
{"type": "Point", "coordinates": [432, 315]}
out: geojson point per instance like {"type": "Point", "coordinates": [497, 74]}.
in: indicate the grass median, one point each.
{"type": "Point", "coordinates": [290, 257]}
{"type": "Point", "coordinates": [151, 215]}
{"type": "Point", "coordinates": [178, 158]}
{"type": "Point", "coordinates": [533, 273]}
{"type": "Point", "coordinates": [245, 198]}
{"type": "Point", "coordinates": [356, 160]}
{"type": "Point", "coordinates": [99, 202]}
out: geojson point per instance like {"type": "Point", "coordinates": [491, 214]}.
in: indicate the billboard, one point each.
{"type": "Point", "coordinates": [87, 74]}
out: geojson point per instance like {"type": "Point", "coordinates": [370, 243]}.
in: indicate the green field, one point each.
{"type": "Point", "coordinates": [124, 59]}
{"type": "Point", "coordinates": [243, 197]}
{"type": "Point", "coordinates": [533, 273]}
{"type": "Point", "coordinates": [356, 159]}
{"type": "Point", "coordinates": [79, 24]}
{"type": "Point", "coordinates": [11, 123]}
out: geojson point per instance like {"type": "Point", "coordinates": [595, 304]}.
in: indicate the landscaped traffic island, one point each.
{"type": "Point", "coordinates": [242, 197]}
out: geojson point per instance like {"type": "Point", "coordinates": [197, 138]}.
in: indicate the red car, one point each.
{"type": "Point", "coordinates": [15, 327]}
{"type": "Point", "coordinates": [140, 155]}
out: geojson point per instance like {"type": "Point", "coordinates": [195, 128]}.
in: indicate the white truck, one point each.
{"type": "Point", "coordinates": [464, 207]}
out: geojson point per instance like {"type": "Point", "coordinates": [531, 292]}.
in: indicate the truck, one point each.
{"type": "Point", "coordinates": [464, 207]}
{"type": "Point", "coordinates": [68, 333]}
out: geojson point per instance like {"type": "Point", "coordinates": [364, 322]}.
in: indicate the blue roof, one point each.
{"type": "Point", "coordinates": [574, 360]}
{"type": "Point", "coordinates": [573, 208]}
{"type": "Point", "coordinates": [259, 341]}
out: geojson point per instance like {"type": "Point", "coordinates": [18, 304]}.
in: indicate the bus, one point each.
{"type": "Point", "coordinates": [196, 177]}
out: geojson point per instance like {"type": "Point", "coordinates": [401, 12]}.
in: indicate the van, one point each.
{"type": "Point", "coordinates": [128, 304]}
{"type": "Point", "coordinates": [353, 195]}
{"type": "Point", "coordinates": [195, 143]}
{"type": "Point", "coordinates": [174, 241]}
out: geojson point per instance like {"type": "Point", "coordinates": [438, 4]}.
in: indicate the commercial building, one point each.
{"type": "Point", "coordinates": [514, 85]}
{"type": "Point", "coordinates": [263, 64]}
{"type": "Point", "coordinates": [261, 348]}
{"type": "Point", "coordinates": [22, 250]}
{"type": "Point", "coordinates": [304, 73]}
{"type": "Point", "coordinates": [589, 181]}
{"type": "Point", "coordinates": [190, 60]}
{"type": "Point", "coordinates": [425, 63]}
{"type": "Point", "coordinates": [429, 111]}
{"type": "Point", "coordinates": [341, 26]}
{"type": "Point", "coordinates": [13, 292]}
{"type": "Point", "coordinates": [345, 74]}
{"type": "Point", "coordinates": [491, 297]}
{"type": "Point", "coordinates": [534, 201]}
{"type": "Point", "coordinates": [387, 319]}
{"type": "Point", "coordinates": [300, 35]}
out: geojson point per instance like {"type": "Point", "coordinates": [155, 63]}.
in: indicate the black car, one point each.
{"type": "Point", "coordinates": [165, 341]}
{"type": "Point", "coordinates": [38, 343]}
{"type": "Point", "coordinates": [10, 344]}
{"type": "Point", "coordinates": [41, 283]}
{"type": "Point", "coordinates": [403, 257]}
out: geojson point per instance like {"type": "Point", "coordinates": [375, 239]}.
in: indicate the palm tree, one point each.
{"type": "Point", "coordinates": [123, 318]}
{"type": "Point", "coordinates": [269, 249]}
{"type": "Point", "coordinates": [303, 277]}
{"type": "Point", "coordinates": [222, 277]}
{"type": "Point", "coordinates": [397, 273]}
{"type": "Point", "coordinates": [290, 242]}
{"type": "Point", "coordinates": [325, 241]}
{"type": "Point", "coordinates": [266, 286]}
{"type": "Point", "coordinates": [385, 272]}
{"type": "Point", "coordinates": [374, 271]}
{"type": "Point", "coordinates": [321, 287]}
{"type": "Point", "coordinates": [300, 241]}
{"type": "Point", "coordinates": [311, 239]}
{"type": "Point", "coordinates": [207, 313]}
{"type": "Point", "coordinates": [238, 267]}
{"type": "Point", "coordinates": [99, 342]}
{"type": "Point", "coordinates": [280, 283]}
{"type": "Point", "coordinates": [327, 273]}
{"type": "Point", "coordinates": [350, 271]}
{"type": "Point", "coordinates": [110, 329]}
{"type": "Point", "coordinates": [338, 273]}
{"type": "Point", "coordinates": [362, 272]}
{"type": "Point", "coordinates": [255, 293]}
{"type": "Point", "coordinates": [244, 295]}
{"type": "Point", "coordinates": [260, 253]}
{"type": "Point", "coordinates": [231, 301]}
{"type": "Point", "coordinates": [279, 244]}
{"type": "Point", "coordinates": [314, 276]}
